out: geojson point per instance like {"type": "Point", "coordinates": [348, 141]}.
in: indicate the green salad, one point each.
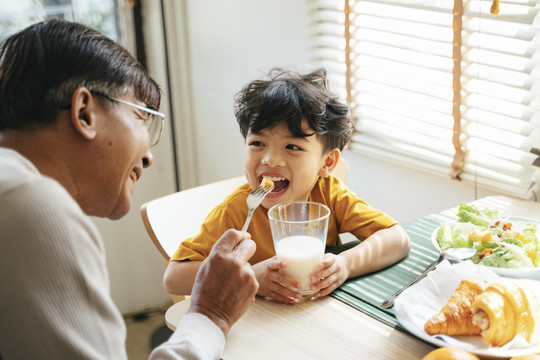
{"type": "Point", "coordinates": [499, 242]}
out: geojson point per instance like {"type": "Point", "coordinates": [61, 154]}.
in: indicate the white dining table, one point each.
{"type": "Point", "coordinates": [328, 328]}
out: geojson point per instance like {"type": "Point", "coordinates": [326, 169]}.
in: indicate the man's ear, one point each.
{"type": "Point", "coordinates": [83, 115]}
{"type": "Point", "coordinates": [330, 162]}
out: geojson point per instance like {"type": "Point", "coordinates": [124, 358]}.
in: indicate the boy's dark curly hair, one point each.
{"type": "Point", "coordinates": [289, 98]}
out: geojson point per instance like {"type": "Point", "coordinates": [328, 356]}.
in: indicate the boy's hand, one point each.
{"type": "Point", "coordinates": [333, 273]}
{"type": "Point", "coordinates": [272, 282]}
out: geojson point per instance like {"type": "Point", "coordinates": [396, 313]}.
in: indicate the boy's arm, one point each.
{"type": "Point", "coordinates": [382, 249]}
{"type": "Point", "coordinates": [180, 276]}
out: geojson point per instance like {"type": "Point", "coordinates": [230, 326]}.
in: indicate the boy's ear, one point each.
{"type": "Point", "coordinates": [83, 116]}
{"type": "Point", "coordinates": [330, 162]}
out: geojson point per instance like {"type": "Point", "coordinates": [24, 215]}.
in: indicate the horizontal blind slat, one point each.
{"type": "Point", "coordinates": [404, 114]}
{"type": "Point", "coordinates": [507, 123]}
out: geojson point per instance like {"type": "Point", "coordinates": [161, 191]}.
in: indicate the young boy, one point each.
{"type": "Point", "coordinates": [294, 131]}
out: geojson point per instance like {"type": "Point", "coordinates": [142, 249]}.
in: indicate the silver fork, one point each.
{"type": "Point", "coordinates": [254, 200]}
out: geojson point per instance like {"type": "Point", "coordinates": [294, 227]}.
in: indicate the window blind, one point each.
{"type": "Point", "coordinates": [412, 91]}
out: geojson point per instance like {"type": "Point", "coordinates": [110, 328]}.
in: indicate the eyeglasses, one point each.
{"type": "Point", "coordinates": [154, 123]}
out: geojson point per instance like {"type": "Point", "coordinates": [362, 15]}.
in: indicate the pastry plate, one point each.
{"type": "Point", "coordinates": [423, 300]}
{"type": "Point", "coordinates": [525, 273]}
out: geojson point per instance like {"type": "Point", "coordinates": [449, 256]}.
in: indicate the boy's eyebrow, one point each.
{"type": "Point", "coordinates": [305, 138]}
{"type": "Point", "coordinates": [261, 133]}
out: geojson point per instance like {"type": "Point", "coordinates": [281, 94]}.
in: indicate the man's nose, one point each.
{"type": "Point", "coordinates": [148, 159]}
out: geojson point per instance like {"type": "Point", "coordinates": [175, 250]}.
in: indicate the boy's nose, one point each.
{"type": "Point", "coordinates": [273, 159]}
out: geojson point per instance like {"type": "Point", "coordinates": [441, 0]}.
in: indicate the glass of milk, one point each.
{"type": "Point", "coordinates": [299, 230]}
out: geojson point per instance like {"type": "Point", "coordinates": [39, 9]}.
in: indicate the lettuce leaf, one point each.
{"type": "Point", "coordinates": [510, 256]}
{"type": "Point", "coordinates": [454, 235]}
{"type": "Point", "coordinates": [470, 213]}
{"type": "Point", "coordinates": [528, 229]}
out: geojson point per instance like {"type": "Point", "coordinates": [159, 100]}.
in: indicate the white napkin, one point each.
{"type": "Point", "coordinates": [420, 302]}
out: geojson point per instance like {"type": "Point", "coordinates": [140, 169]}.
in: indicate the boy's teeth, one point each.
{"type": "Point", "coordinates": [266, 182]}
{"type": "Point", "coordinates": [275, 178]}
{"type": "Point", "coordinates": [133, 175]}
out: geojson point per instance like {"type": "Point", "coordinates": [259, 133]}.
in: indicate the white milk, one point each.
{"type": "Point", "coordinates": [303, 255]}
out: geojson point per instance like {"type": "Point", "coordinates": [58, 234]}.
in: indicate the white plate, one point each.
{"type": "Point", "coordinates": [526, 273]}
{"type": "Point", "coordinates": [423, 300]}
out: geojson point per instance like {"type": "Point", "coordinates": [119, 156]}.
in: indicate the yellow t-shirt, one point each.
{"type": "Point", "coordinates": [348, 214]}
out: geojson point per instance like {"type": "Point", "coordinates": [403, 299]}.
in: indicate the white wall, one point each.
{"type": "Point", "coordinates": [231, 43]}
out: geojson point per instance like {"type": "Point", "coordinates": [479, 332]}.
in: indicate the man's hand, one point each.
{"type": "Point", "coordinates": [225, 284]}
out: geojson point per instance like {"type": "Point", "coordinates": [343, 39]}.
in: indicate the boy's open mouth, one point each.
{"type": "Point", "coordinates": [280, 183]}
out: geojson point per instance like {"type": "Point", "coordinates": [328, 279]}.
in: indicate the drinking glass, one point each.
{"type": "Point", "coordinates": [299, 230]}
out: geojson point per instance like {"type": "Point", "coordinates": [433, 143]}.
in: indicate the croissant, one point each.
{"type": "Point", "coordinates": [455, 318]}
{"type": "Point", "coordinates": [505, 310]}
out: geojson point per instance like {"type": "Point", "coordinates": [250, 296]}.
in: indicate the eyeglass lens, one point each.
{"type": "Point", "coordinates": [154, 124]}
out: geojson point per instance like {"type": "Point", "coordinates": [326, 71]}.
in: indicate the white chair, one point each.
{"type": "Point", "coordinates": [173, 218]}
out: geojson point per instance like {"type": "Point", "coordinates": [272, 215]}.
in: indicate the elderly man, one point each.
{"type": "Point", "coordinates": [78, 115]}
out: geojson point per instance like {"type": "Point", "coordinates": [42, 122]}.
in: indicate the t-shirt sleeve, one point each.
{"type": "Point", "coordinates": [354, 215]}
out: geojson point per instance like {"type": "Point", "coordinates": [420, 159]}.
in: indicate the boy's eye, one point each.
{"type": "Point", "coordinates": [293, 147]}
{"type": "Point", "coordinates": [256, 143]}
